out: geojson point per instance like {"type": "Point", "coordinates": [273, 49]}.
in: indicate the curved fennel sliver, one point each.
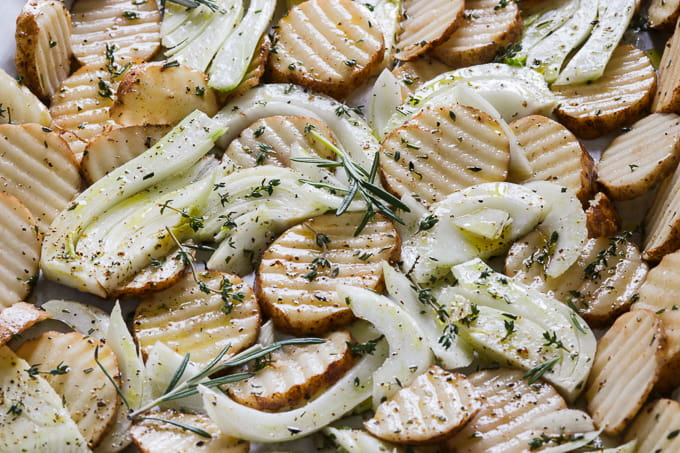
{"type": "Point", "coordinates": [243, 422]}
{"type": "Point", "coordinates": [84, 318]}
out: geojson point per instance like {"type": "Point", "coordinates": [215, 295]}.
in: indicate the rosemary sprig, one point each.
{"type": "Point", "coordinates": [361, 182]}
{"type": "Point", "coordinates": [191, 4]}
{"type": "Point", "coordinates": [539, 370]}
{"type": "Point", "coordinates": [193, 429]}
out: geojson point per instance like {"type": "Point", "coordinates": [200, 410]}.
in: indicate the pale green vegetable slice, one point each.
{"type": "Point", "coordinates": [84, 318]}
{"type": "Point", "coordinates": [180, 25]}
{"type": "Point", "coordinates": [358, 441]}
{"type": "Point", "coordinates": [385, 98]}
{"type": "Point", "coordinates": [542, 24]}
{"type": "Point", "coordinates": [18, 105]}
{"type": "Point", "coordinates": [388, 16]}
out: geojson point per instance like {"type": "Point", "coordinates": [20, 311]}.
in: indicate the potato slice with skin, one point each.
{"type": "Point", "coordinates": [39, 169]}
{"type": "Point", "coordinates": [662, 14]}
{"type": "Point", "coordinates": [189, 320]}
{"type": "Point", "coordinates": [617, 98]}
{"type": "Point", "coordinates": [414, 73]}
{"type": "Point", "coordinates": [331, 47]}
{"type": "Point", "coordinates": [442, 149]}
{"type": "Point", "coordinates": [66, 361]}
{"type": "Point", "coordinates": [656, 427]}
{"type": "Point", "coordinates": [602, 218]}
{"type": "Point", "coordinates": [19, 105]}
{"type": "Point", "coordinates": [295, 374]}
{"type": "Point", "coordinates": [132, 26]}
{"type": "Point", "coordinates": [296, 280]}
{"type": "Point", "coordinates": [152, 436]}
{"type": "Point", "coordinates": [17, 318]}
{"type": "Point", "coordinates": [157, 93]}
{"type": "Point", "coordinates": [427, 23]}
{"type": "Point", "coordinates": [629, 167]}
{"type": "Point", "coordinates": [667, 97]}
{"type": "Point", "coordinates": [555, 154]}
{"type": "Point", "coordinates": [662, 222]}
{"type": "Point", "coordinates": [487, 27]}
{"type": "Point", "coordinates": [43, 37]}
{"type": "Point", "coordinates": [434, 406]}
{"type": "Point", "coordinates": [113, 148]}
{"type": "Point", "coordinates": [628, 362]}
{"type": "Point", "coordinates": [21, 251]}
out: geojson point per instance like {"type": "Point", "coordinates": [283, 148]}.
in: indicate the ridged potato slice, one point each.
{"type": "Point", "coordinates": [295, 374]}
{"type": "Point", "coordinates": [427, 23]}
{"type": "Point", "coordinates": [442, 149]}
{"type": "Point", "coordinates": [433, 407]}
{"type": "Point", "coordinates": [43, 38]}
{"type": "Point", "coordinates": [297, 276]}
{"type": "Point", "coordinates": [628, 362]}
{"type": "Point", "coordinates": [17, 318]}
{"type": "Point", "coordinates": [617, 98]}
{"type": "Point", "coordinates": [414, 73]}
{"type": "Point", "coordinates": [509, 405]}
{"type": "Point", "coordinates": [113, 148]}
{"type": "Point", "coordinates": [152, 436]}
{"type": "Point", "coordinates": [19, 104]}
{"type": "Point", "coordinates": [66, 361]}
{"type": "Point", "coordinates": [629, 167]}
{"type": "Point", "coordinates": [20, 250]}
{"type": "Point", "coordinates": [39, 169]}
{"type": "Point", "coordinates": [188, 320]}
{"type": "Point", "coordinates": [601, 284]}
{"type": "Point", "coordinates": [157, 93]}
{"type": "Point", "coordinates": [132, 26]}
{"type": "Point", "coordinates": [656, 427]}
{"type": "Point", "coordinates": [602, 218]}
{"type": "Point", "coordinates": [555, 154]}
{"type": "Point", "coordinates": [332, 47]}
{"type": "Point", "coordinates": [667, 96]}
{"type": "Point", "coordinates": [662, 221]}
{"type": "Point", "coordinates": [663, 14]}
{"type": "Point", "coordinates": [271, 141]}
{"type": "Point", "coordinates": [487, 27]}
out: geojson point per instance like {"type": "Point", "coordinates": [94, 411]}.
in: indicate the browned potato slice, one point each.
{"type": "Point", "coordinates": [297, 276]}
{"type": "Point", "coordinates": [662, 222]}
{"type": "Point", "coordinates": [617, 98]}
{"type": "Point", "coordinates": [427, 23]}
{"type": "Point", "coordinates": [487, 27]}
{"type": "Point", "coordinates": [414, 73]}
{"type": "Point", "coordinates": [555, 154]}
{"type": "Point", "coordinates": [332, 47]}
{"type": "Point", "coordinates": [443, 149]}
{"type": "Point", "coordinates": [295, 374]}
{"type": "Point", "coordinates": [157, 93]}
{"type": "Point", "coordinates": [509, 405]}
{"type": "Point", "coordinates": [188, 320]}
{"type": "Point", "coordinates": [271, 141]}
{"type": "Point", "coordinates": [656, 427]}
{"type": "Point", "coordinates": [602, 283]}
{"type": "Point", "coordinates": [133, 27]}
{"type": "Point", "coordinates": [630, 167]}
{"type": "Point", "coordinates": [628, 361]}
{"type": "Point", "coordinates": [38, 168]}
{"type": "Point", "coordinates": [113, 148]}
{"type": "Point", "coordinates": [667, 98]}
{"type": "Point", "coordinates": [255, 70]}
{"type": "Point", "coordinates": [17, 318]}
{"type": "Point", "coordinates": [602, 219]}
{"type": "Point", "coordinates": [663, 14]}
{"type": "Point", "coordinates": [153, 436]}
{"type": "Point", "coordinates": [43, 37]}
{"type": "Point", "coordinates": [66, 361]}
{"type": "Point", "coordinates": [20, 251]}
{"type": "Point", "coordinates": [433, 407]}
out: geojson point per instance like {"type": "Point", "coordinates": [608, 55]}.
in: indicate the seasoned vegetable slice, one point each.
{"type": "Point", "coordinates": [425, 24]}
{"type": "Point", "coordinates": [17, 318]}
{"type": "Point", "coordinates": [667, 97]}
{"type": "Point", "coordinates": [661, 222]}
{"type": "Point", "coordinates": [602, 218]}
{"type": "Point", "coordinates": [663, 14]}
{"type": "Point", "coordinates": [18, 105]}
{"type": "Point", "coordinates": [656, 427]}
{"type": "Point", "coordinates": [414, 73]}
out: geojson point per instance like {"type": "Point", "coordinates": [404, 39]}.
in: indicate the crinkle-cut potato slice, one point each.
{"type": "Point", "coordinates": [433, 407]}
{"type": "Point", "coordinates": [157, 93]}
{"type": "Point", "coordinates": [414, 73]}
{"type": "Point", "coordinates": [66, 361]}
{"type": "Point", "coordinates": [43, 38]}
{"type": "Point", "coordinates": [17, 318]}
{"type": "Point", "coordinates": [630, 167]}
{"type": "Point", "coordinates": [617, 98]}
{"type": "Point", "coordinates": [295, 374]}
{"type": "Point", "coordinates": [509, 405]}
{"type": "Point", "coordinates": [297, 276]}
{"type": "Point", "coordinates": [329, 46]}
{"type": "Point", "coordinates": [628, 362]}
{"type": "Point", "coordinates": [272, 141]}
{"type": "Point", "coordinates": [20, 251]}
{"type": "Point", "coordinates": [427, 23]}
{"type": "Point", "coordinates": [37, 167]}
{"type": "Point", "coordinates": [663, 14]}
{"type": "Point", "coordinates": [487, 27]}
{"type": "Point", "coordinates": [667, 96]}
{"type": "Point", "coordinates": [601, 284]}
{"type": "Point", "coordinates": [656, 427]}
{"type": "Point", "coordinates": [115, 147]}
{"type": "Point", "coordinates": [152, 436]}
{"type": "Point", "coordinates": [555, 154]}
{"type": "Point", "coordinates": [442, 149]}
{"type": "Point", "coordinates": [19, 104]}
{"type": "Point", "coordinates": [662, 221]}
{"type": "Point", "coordinates": [133, 27]}
{"type": "Point", "coordinates": [255, 70]}
{"type": "Point", "coordinates": [189, 320]}
{"type": "Point", "coordinates": [602, 218]}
